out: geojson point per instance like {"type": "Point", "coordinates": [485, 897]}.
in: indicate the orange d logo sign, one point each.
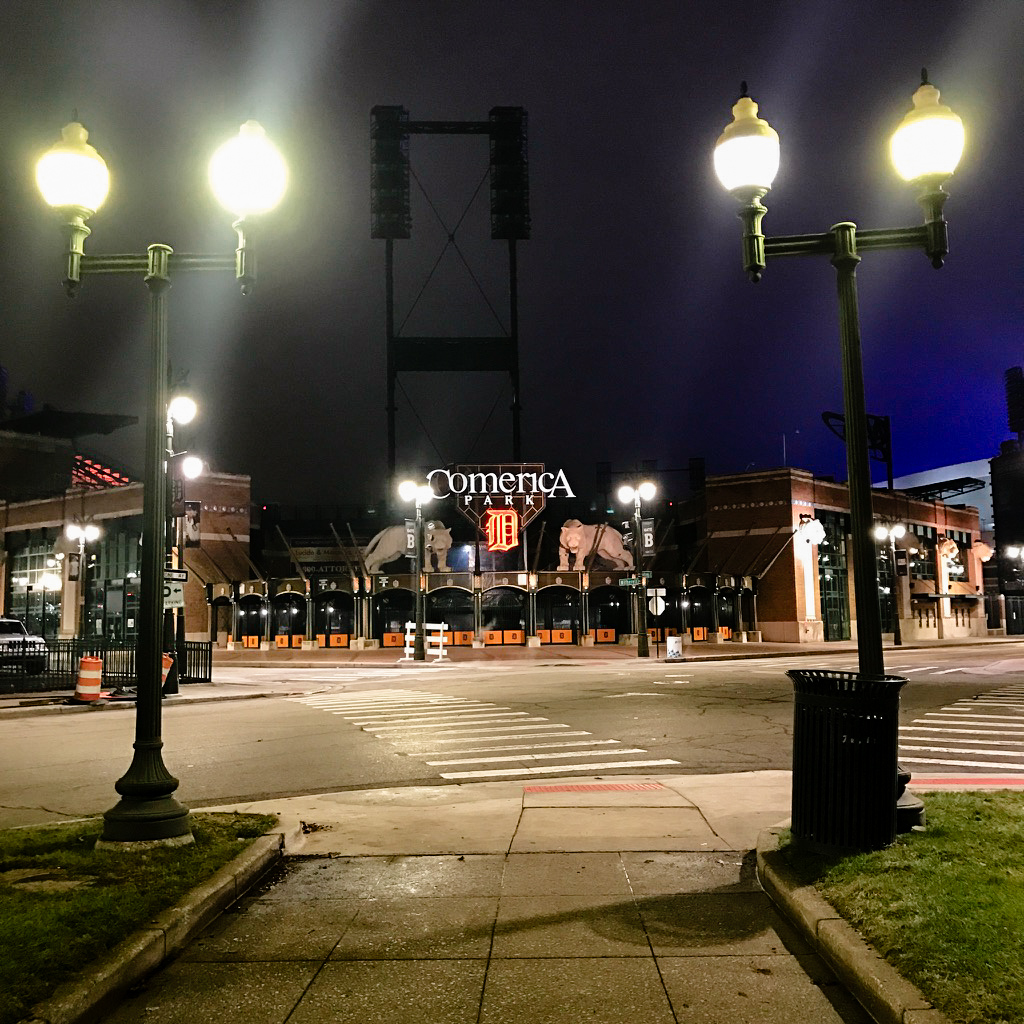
{"type": "Point", "coordinates": [502, 529]}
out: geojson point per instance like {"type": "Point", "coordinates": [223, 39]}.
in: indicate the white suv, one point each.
{"type": "Point", "coordinates": [19, 647]}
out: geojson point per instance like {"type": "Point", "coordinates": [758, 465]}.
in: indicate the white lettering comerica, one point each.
{"type": "Point", "coordinates": [468, 485]}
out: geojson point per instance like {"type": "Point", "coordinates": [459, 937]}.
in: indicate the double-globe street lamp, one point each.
{"type": "Point", "coordinates": [248, 177]}
{"type": "Point", "coordinates": [181, 466]}
{"type": "Point", "coordinates": [84, 533]}
{"type": "Point", "coordinates": [642, 492]}
{"type": "Point", "coordinates": [893, 533]}
{"type": "Point", "coordinates": [925, 148]}
{"type": "Point", "coordinates": [409, 490]}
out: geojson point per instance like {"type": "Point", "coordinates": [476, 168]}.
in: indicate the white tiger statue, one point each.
{"type": "Point", "coordinates": [392, 543]}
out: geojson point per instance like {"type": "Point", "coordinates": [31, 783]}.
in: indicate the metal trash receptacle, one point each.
{"type": "Point", "coordinates": [845, 746]}
{"type": "Point", "coordinates": [673, 647]}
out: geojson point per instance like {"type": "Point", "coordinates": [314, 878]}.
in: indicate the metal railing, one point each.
{"type": "Point", "coordinates": [20, 671]}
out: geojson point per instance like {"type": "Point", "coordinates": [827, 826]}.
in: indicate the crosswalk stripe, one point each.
{"type": "Point", "coordinates": [988, 726]}
{"type": "Point", "coordinates": [468, 731]}
{"type": "Point", "coordinates": [962, 764]}
{"type": "Point", "coordinates": [557, 769]}
{"type": "Point", "coordinates": [444, 727]}
{"type": "Point", "coordinates": [530, 757]}
{"type": "Point", "coordinates": [947, 671]}
{"type": "Point", "coordinates": [955, 715]}
{"type": "Point", "coordinates": [916, 668]}
{"type": "Point", "coordinates": [965, 750]}
{"type": "Point", "coordinates": [449, 716]}
{"type": "Point", "coordinates": [980, 732]}
{"type": "Point", "coordinates": [519, 746]}
{"type": "Point", "coordinates": [384, 705]}
{"type": "Point", "coordinates": [967, 707]}
{"type": "Point", "coordinates": [974, 739]}
{"type": "Point", "coordinates": [516, 736]}
{"type": "Point", "coordinates": [366, 716]}
{"type": "Point", "coordinates": [982, 703]}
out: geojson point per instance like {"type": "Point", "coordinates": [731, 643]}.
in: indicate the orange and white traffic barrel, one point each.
{"type": "Point", "coordinates": [90, 678]}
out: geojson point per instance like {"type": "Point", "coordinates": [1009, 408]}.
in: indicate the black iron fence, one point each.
{"type": "Point", "coordinates": [22, 670]}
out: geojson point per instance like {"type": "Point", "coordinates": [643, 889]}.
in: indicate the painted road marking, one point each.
{"type": "Point", "coordinates": [433, 725]}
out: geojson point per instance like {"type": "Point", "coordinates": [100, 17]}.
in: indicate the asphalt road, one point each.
{"type": "Point", "coordinates": [355, 728]}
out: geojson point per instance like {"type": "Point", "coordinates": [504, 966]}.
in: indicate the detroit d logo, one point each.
{"type": "Point", "coordinates": [502, 529]}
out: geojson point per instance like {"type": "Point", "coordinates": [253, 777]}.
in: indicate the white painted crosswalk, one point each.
{"type": "Point", "coordinates": [985, 732]}
{"type": "Point", "coordinates": [511, 744]}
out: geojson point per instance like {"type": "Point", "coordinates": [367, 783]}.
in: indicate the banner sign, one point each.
{"type": "Point", "coordinates": [647, 536]}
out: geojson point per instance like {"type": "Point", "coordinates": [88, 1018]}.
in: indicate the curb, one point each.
{"type": "Point", "coordinates": [101, 705]}
{"type": "Point", "coordinates": [144, 951]}
{"type": "Point", "coordinates": [886, 995]}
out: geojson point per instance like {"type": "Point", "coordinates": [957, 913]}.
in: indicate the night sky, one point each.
{"type": "Point", "coordinates": [640, 336]}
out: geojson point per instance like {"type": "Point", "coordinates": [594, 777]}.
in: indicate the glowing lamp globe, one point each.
{"type": "Point", "coordinates": [647, 490]}
{"type": "Point", "coordinates": [248, 175]}
{"type": "Point", "coordinates": [71, 173]}
{"type": "Point", "coordinates": [747, 152]}
{"type": "Point", "coordinates": [182, 409]}
{"type": "Point", "coordinates": [929, 141]}
{"type": "Point", "coordinates": [191, 467]}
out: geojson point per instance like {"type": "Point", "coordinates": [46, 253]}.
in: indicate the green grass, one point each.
{"type": "Point", "coordinates": [49, 935]}
{"type": "Point", "coordinates": [946, 906]}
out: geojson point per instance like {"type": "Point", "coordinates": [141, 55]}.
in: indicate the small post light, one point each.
{"type": "Point", "coordinates": [409, 490]}
{"type": "Point", "coordinates": [642, 492]}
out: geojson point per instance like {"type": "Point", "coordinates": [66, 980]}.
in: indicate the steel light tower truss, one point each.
{"type": "Point", "coordinates": [505, 128]}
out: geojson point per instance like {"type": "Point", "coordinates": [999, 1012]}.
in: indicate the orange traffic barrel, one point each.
{"type": "Point", "coordinates": [90, 678]}
{"type": "Point", "coordinates": [166, 662]}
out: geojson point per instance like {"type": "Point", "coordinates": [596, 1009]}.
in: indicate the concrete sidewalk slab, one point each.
{"type": "Point", "coordinates": [666, 813]}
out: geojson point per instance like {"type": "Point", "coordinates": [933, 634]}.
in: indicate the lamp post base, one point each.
{"type": "Point", "coordinates": [160, 821]}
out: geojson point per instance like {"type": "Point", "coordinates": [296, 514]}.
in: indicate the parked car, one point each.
{"type": "Point", "coordinates": [18, 647]}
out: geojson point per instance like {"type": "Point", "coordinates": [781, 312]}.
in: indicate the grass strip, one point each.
{"type": "Point", "coordinates": [63, 904]}
{"type": "Point", "coordinates": [945, 907]}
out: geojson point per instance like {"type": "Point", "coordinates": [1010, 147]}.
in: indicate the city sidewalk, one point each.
{"type": "Point", "coordinates": [587, 899]}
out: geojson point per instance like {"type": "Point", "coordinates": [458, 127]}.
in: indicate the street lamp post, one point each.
{"type": "Point", "coordinates": [646, 492]}
{"type": "Point", "coordinates": [409, 490]}
{"type": "Point", "coordinates": [180, 467]}
{"type": "Point", "coordinates": [892, 534]}
{"type": "Point", "coordinates": [925, 148]}
{"type": "Point", "coordinates": [248, 176]}
{"type": "Point", "coordinates": [84, 534]}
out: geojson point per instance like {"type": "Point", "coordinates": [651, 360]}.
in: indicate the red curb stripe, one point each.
{"type": "Point", "coordinates": [967, 780]}
{"type": "Point", "coordinates": [592, 786]}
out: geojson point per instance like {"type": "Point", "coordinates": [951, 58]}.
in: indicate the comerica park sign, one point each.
{"type": "Point", "coordinates": [500, 500]}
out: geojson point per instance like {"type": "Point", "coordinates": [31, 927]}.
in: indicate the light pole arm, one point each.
{"type": "Point", "coordinates": [930, 237]}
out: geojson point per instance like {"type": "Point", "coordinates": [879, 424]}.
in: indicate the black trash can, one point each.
{"type": "Point", "coordinates": [845, 738]}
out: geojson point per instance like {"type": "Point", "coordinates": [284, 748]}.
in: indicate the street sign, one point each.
{"type": "Point", "coordinates": [655, 591]}
{"type": "Point", "coordinates": [628, 581]}
{"type": "Point", "coordinates": [647, 574]}
{"type": "Point", "coordinates": [657, 605]}
{"type": "Point", "coordinates": [178, 575]}
{"type": "Point", "coordinates": [174, 595]}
